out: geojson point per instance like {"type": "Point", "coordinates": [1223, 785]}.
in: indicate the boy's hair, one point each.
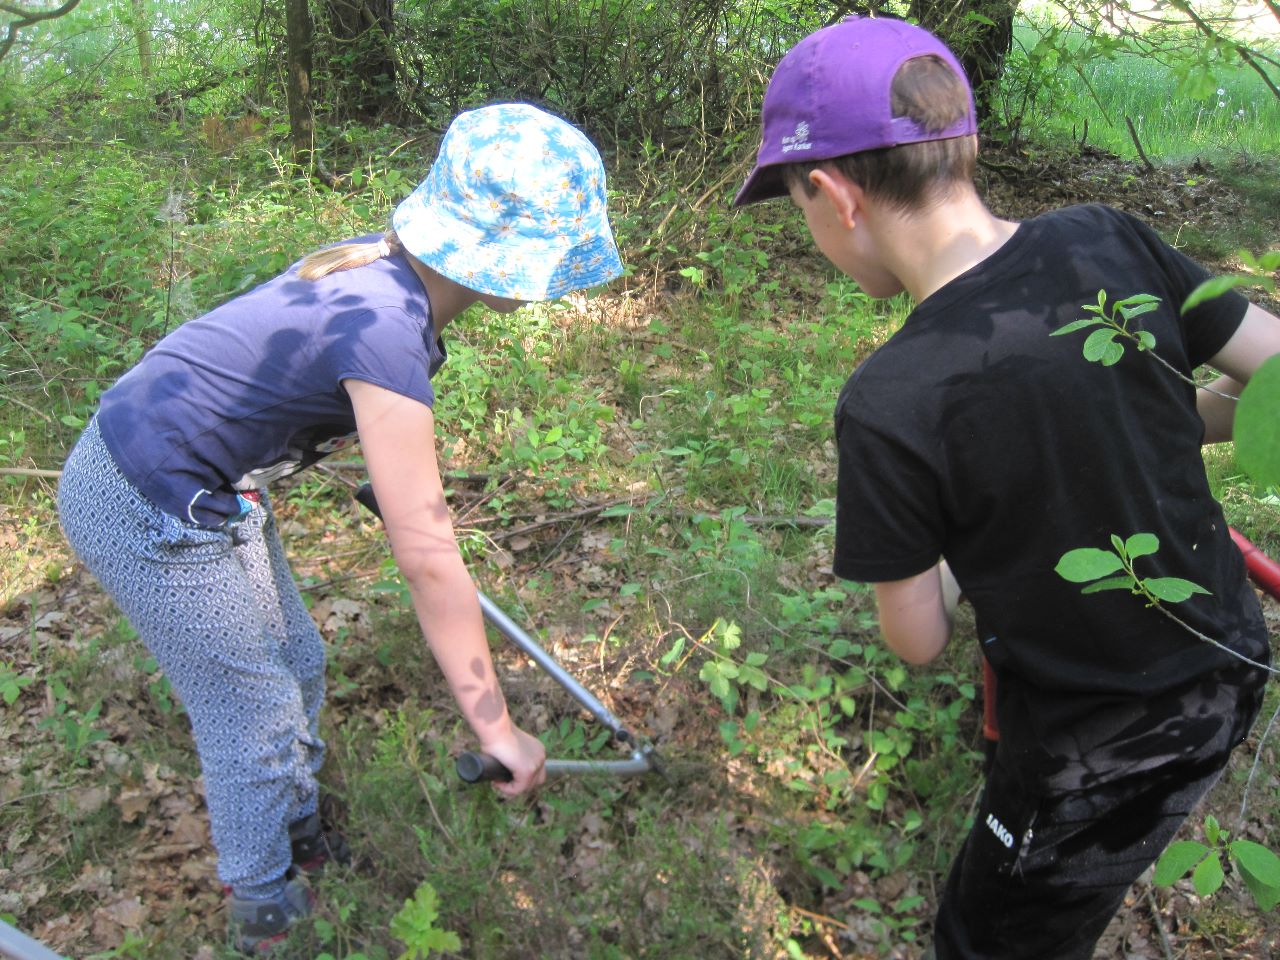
{"type": "Point", "coordinates": [346, 256]}
{"type": "Point", "coordinates": [913, 175]}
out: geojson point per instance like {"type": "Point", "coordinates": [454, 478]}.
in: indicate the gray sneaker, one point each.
{"type": "Point", "coordinates": [257, 926]}
{"type": "Point", "coordinates": [314, 846]}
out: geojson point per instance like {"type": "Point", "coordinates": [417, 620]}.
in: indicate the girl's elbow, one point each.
{"type": "Point", "coordinates": [427, 568]}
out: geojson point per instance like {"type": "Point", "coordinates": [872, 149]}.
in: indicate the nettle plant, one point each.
{"type": "Point", "coordinates": [1257, 447]}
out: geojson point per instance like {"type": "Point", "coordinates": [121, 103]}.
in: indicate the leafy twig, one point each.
{"type": "Point", "coordinates": [1101, 345]}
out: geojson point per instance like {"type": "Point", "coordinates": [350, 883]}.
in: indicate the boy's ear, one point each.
{"type": "Point", "coordinates": [845, 196]}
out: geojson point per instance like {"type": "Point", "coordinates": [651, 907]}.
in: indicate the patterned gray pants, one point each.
{"type": "Point", "coordinates": [224, 620]}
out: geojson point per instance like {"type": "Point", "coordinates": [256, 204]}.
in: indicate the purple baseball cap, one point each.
{"type": "Point", "coordinates": [830, 96]}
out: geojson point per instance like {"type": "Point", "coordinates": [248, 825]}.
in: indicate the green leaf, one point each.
{"type": "Point", "coordinates": [1257, 428]}
{"type": "Point", "coordinates": [1137, 299]}
{"type": "Point", "coordinates": [1129, 312]}
{"type": "Point", "coordinates": [1075, 325]}
{"type": "Point", "coordinates": [1141, 545]}
{"type": "Point", "coordinates": [1177, 860]}
{"type": "Point", "coordinates": [1213, 831]}
{"type": "Point", "coordinates": [1208, 877]}
{"type": "Point", "coordinates": [730, 636]}
{"type": "Point", "coordinates": [673, 654]}
{"type": "Point", "coordinates": [1087, 563]}
{"type": "Point", "coordinates": [1124, 582]}
{"type": "Point", "coordinates": [1266, 263]}
{"type": "Point", "coordinates": [1146, 340]}
{"type": "Point", "coordinates": [1100, 344]}
{"type": "Point", "coordinates": [1266, 897]}
{"type": "Point", "coordinates": [1172, 589]}
{"type": "Point", "coordinates": [719, 687]}
{"type": "Point", "coordinates": [415, 926]}
{"type": "Point", "coordinates": [1215, 287]}
{"type": "Point", "coordinates": [1261, 862]}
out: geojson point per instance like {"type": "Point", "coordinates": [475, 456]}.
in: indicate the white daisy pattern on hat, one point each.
{"type": "Point", "coordinates": [514, 206]}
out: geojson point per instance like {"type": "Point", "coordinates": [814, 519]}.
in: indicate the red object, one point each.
{"type": "Point", "coordinates": [1264, 571]}
{"type": "Point", "coordinates": [990, 727]}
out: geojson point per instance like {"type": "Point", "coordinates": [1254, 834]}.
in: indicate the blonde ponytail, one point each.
{"type": "Point", "coordinates": [347, 256]}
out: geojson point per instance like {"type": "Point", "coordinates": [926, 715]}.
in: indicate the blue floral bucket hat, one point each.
{"type": "Point", "coordinates": [514, 206]}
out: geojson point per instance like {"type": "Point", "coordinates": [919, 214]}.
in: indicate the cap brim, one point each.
{"type": "Point", "coordinates": [764, 183]}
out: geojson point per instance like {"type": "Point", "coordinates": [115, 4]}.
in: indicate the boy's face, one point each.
{"type": "Point", "coordinates": [836, 219]}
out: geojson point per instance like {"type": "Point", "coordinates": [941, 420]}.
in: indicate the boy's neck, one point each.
{"type": "Point", "coordinates": [927, 249]}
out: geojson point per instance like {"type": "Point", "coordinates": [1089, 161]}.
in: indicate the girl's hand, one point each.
{"type": "Point", "coordinates": [522, 754]}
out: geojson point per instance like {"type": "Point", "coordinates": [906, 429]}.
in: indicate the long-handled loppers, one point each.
{"type": "Point", "coordinates": [475, 767]}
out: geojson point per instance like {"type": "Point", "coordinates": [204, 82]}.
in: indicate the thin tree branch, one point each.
{"type": "Point", "coordinates": [1133, 134]}
{"type": "Point", "coordinates": [27, 17]}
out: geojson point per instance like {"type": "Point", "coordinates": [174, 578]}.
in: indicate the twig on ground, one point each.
{"type": "Point", "coordinates": [1165, 945]}
{"type": "Point", "coordinates": [435, 815]}
{"type": "Point", "coordinates": [1133, 135]}
{"type": "Point", "coordinates": [29, 472]}
{"type": "Point", "coordinates": [1253, 771]}
{"type": "Point", "coordinates": [589, 511]}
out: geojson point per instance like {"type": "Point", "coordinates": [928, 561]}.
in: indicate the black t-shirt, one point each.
{"type": "Point", "coordinates": [974, 435]}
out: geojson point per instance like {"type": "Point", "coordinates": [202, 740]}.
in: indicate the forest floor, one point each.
{"type": "Point", "coordinates": [159, 868]}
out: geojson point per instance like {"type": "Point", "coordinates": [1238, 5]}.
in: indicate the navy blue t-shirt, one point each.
{"type": "Point", "coordinates": [251, 391]}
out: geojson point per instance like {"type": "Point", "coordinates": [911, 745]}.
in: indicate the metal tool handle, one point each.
{"type": "Point", "coordinates": [509, 629]}
{"type": "Point", "coordinates": [475, 767]}
{"type": "Point", "coordinates": [17, 945]}
{"type": "Point", "coordinates": [512, 631]}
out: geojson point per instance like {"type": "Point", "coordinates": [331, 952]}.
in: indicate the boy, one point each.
{"type": "Point", "coordinates": [975, 436]}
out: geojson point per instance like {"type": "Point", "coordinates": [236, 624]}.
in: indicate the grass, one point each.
{"type": "Point", "coordinates": [1233, 113]}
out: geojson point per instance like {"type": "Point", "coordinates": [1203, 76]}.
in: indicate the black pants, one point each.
{"type": "Point", "coordinates": [1047, 865]}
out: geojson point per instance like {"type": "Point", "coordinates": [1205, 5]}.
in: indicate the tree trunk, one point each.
{"type": "Point", "coordinates": [298, 40]}
{"type": "Point", "coordinates": [980, 42]}
{"type": "Point", "coordinates": [365, 63]}
{"type": "Point", "coordinates": [142, 33]}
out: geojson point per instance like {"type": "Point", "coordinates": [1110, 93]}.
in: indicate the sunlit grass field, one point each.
{"type": "Point", "coordinates": [1233, 112]}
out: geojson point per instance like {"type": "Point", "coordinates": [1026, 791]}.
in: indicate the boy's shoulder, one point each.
{"type": "Point", "coordinates": [1086, 217]}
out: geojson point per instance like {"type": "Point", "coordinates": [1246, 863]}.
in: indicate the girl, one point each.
{"type": "Point", "coordinates": [163, 496]}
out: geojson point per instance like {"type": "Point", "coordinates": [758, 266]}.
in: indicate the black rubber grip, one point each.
{"type": "Point", "coordinates": [480, 767]}
{"type": "Point", "coordinates": [364, 495]}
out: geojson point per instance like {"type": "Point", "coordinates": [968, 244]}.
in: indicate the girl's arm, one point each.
{"type": "Point", "coordinates": [1255, 340]}
{"type": "Point", "coordinates": [915, 613]}
{"type": "Point", "coordinates": [397, 435]}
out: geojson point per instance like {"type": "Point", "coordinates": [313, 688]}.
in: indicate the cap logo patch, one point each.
{"type": "Point", "coordinates": [798, 140]}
